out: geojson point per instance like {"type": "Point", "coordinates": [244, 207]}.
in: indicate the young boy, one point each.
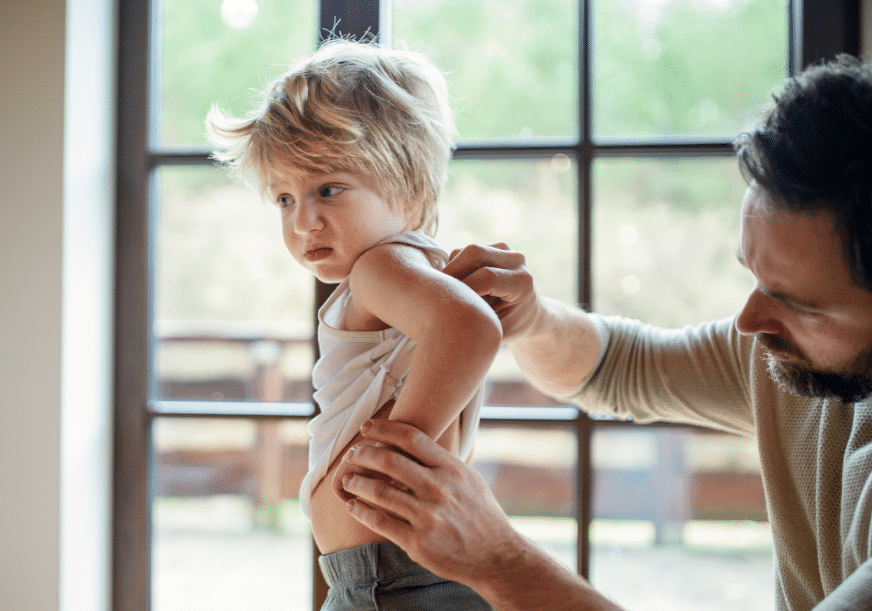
{"type": "Point", "coordinates": [352, 144]}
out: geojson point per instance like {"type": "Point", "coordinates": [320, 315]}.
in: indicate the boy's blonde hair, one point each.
{"type": "Point", "coordinates": [350, 106]}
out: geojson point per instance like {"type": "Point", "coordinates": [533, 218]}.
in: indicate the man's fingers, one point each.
{"type": "Point", "coordinates": [475, 256]}
{"type": "Point", "coordinates": [409, 440]}
{"type": "Point", "coordinates": [503, 284]}
{"type": "Point", "coordinates": [395, 529]}
{"type": "Point", "coordinates": [383, 463]}
{"type": "Point", "coordinates": [379, 496]}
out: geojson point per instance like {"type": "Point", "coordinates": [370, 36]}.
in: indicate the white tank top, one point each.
{"type": "Point", "coordinates": [358, 372]}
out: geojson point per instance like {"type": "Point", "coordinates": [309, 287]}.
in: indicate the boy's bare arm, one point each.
{"type": "Point", "coordinates": [457, 333]}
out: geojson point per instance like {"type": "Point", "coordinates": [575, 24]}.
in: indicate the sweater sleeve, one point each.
{"type": "Point", "coordinates": [695, 375]}
{"type": "Point", "coordinates": [853, 593]}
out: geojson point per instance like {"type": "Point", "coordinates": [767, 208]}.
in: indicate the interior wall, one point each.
{"type": "Point", "coordinates": [31, 192]}
{"type": "Point", "coordinates": [55, 236]}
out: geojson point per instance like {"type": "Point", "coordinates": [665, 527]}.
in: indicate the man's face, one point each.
{"type": "Point", "coordinates": [813, 320]}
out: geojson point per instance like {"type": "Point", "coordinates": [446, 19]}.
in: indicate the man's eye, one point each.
{"type": "Point", "coordinates": [330, 190]}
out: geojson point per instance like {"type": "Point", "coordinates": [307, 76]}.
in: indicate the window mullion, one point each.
{"type": "Point", "coordinates": [131, 572]}
{"type": "Point", "coordinates": [584, 167]}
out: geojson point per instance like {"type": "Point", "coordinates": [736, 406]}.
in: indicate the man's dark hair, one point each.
{"type": "Point", "coordinates": [813, 151]}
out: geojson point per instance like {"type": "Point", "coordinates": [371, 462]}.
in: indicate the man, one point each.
{"type": "Point", "coordinates": [793, 369]}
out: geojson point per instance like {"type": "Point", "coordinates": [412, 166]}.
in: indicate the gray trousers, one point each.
{"type": "Point", "coordinates": [381, 577]}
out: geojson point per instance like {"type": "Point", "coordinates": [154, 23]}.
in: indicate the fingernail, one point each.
{"type": "Point", "coordinates": [350, 505]}
{"type": "Point", "coordinates": [366, 427]}
{"type": "Point", "coordinates": [351, 452]}
{"type": "Point", "coordinates": [346, 480]}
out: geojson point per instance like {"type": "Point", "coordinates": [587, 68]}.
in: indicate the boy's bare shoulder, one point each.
{"type": "Point", "coordinates": [397, 285]}
{"type": "Point", "coordinates": [386, 262]}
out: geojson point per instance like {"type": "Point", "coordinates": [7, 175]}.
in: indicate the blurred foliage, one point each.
{"type": "Point", "coordinates": [664, 67]}
{"type": "Point", "coordinates": [511, 64]}
{"type": "Point", "coordinates": [660, 67]}
{"type": "Point", "coordinates": [664, 240]}
{"type": "Point", "coordinates": [206, 62]}
{"type": "Point", "coordinates": [529, 204]}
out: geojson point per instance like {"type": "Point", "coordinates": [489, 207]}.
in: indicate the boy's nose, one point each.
{"type": "Point", "coordinates": [307, 218]}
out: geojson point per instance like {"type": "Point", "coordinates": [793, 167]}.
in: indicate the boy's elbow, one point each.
{"type": "Point", "coordinates": [495, 330]}
{"type": "Point", "coordinates": [483, 327]}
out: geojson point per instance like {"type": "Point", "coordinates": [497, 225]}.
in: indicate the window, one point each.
{"type": "Point", "coordinates": [595, 138]}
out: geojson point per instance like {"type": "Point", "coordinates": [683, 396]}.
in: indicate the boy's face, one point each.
{"type": "Point", "coordinates": [329, 220]}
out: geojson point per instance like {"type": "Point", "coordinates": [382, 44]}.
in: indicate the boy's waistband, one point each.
{"type": "Point", "coordinates": [381, 561]}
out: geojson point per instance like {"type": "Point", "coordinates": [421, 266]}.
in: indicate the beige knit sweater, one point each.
{"type": "Point", "coordinates": [816, 454]}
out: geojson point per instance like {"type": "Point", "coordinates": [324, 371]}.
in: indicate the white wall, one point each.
{"type": "Point", "coordinates": [88, 257]}
{"type": "Point", "coordinates": [55, 287]}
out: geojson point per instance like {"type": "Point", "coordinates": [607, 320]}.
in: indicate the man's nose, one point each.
{"type": "Point", "coordinates": [758, 315]}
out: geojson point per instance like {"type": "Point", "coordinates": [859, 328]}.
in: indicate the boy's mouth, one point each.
{"type": "Point", "coordinates": [317, 254]}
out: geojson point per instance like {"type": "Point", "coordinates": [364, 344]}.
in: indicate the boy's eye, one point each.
{"type": "Point", "coordinates": [284, 201]}
{"type": "Point", "coordinates": [330, 190]}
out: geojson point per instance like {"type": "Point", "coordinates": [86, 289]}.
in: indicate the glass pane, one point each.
{"type": "Point", "coordinates": [681, 515]}
{"type": "Point", "coordinates": [219, 53]}
{"type": "Point", "coordinates": [530, 205]}
{"type": "Point", "coordinates": [531, 471]}
{"type": "Point", "coordinates": [664, 240]}
{"type": "Point", "coordinates": [228, 530]}
{"type": "Point", "coordinates": [666, 67]}
{"type": "Point", "coordinates": [233, 311]}
{"type": "Point", "coordinates": [511, 66]}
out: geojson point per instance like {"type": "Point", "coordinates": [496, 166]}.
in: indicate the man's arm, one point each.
{"type": "Point", "coordinates": [556, 346]}
{"type": "Point", "coordinates": [559, 351]}
{"type": "Point", "coordinates": [447, 520]}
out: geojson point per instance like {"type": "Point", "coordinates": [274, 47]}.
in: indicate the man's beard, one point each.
{"type": "Point", "coordinates": [848, 384]}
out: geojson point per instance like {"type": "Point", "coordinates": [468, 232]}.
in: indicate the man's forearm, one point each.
{"type": "Point", "coordinates": [559, 350]}
{"type": "Point", "coordinates": [533, 581]}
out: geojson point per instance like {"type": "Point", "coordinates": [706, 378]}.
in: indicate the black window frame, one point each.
{"type": "Point", "coordinates": [817, 29]}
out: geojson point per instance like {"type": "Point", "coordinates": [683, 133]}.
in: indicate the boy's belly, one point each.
{"type": "Point", "coordinates": [332, 527]}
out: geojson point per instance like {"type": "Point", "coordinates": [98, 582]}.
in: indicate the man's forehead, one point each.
{"type": "Point", "coordinates": [761, 205]}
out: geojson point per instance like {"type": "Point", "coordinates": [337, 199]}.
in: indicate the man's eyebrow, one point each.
{"type": "Point", "coordinates": [777, 295]}
{"type": "Point", "coordinates": [790, 301]}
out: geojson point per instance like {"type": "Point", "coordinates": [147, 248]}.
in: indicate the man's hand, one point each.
{"type": "Point", "coordinates": [346, 469]}
{"type": "Point", "coordinates": [500, 275]}
{"type": "Point", "coordinates": [440, 510]}
{"type": "Point", "coordinates": [442, 513]}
